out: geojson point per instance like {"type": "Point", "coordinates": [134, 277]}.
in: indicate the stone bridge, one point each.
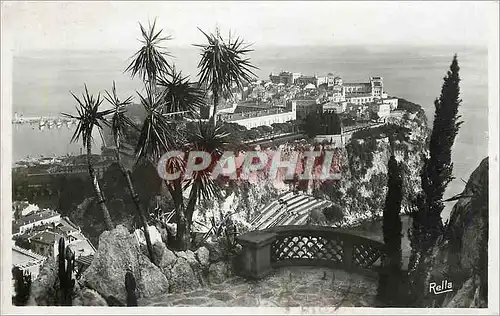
{"type": "Point", "coordinates": [307, 245]}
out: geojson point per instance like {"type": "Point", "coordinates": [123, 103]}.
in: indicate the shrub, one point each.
{"type": "Point", "coordinates": [22, 287]}
{"type": "Point", "coordinates": [333, 213]}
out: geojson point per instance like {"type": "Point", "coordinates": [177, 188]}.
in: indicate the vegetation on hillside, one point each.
{"type": "Point", "coordinates": [321, 124]}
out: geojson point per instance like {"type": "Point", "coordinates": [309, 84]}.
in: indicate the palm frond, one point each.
{"type": "Point", "coordinates": [88, 116]}
{"type": "Point", "coordinates": [120, 121]}
{"type": "Point", "coordinates": [157, 134]}
{"type": "Point", "coordinates": [211, 139]}
{"type": "Point", "coordinates": [151, 59]}
{"type": "Point", "coordinates": [179, 95]}
{"type": "Point", "coordinates": [223, 63]}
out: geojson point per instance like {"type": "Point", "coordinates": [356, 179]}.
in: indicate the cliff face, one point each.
{"type": "Point", "coordinates": [360, 194]}
{"type": "Point", "coordinates": [460, 256]}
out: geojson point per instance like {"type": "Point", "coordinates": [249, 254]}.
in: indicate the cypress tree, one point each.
{"type": "Point", "coordinates": [391, 227]}
{"type": "Point", "coordinates": [438, 168]}
{"type": "Point", "coordinates": [391, 223]}
{"type": "Point", "coordinates": [436, 174]}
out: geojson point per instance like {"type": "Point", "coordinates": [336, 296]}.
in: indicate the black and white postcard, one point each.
{"type": "Point", "coordinates": [249, 157]}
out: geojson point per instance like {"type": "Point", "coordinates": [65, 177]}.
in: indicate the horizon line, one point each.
{"type": "Point", "coordinates": [363, 45]}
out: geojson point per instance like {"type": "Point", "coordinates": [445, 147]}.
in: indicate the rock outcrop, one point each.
{"type": "Point", "coordinates": [218, 272]}
{"type": "Point", "coordinates": [118, 251]}
{"type": "Point", "coordinates": [460, 256]}
{"type": "Point", "coordinates": [172, 271]}
{"type": "Point", "coordinates": [203, 256]}
{"type": "Point", "coordinates": [183, 277]}
{"type": "Point", "coordinates": [43, 289]}
{"type": "Point", "coordinates": [88, 297]}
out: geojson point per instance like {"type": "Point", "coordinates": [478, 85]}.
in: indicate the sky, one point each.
{"type": "Point", "coordinates": [114, 25]}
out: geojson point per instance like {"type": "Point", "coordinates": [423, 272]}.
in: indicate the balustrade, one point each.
{"type": "Point", "coordinates": [306, 245]}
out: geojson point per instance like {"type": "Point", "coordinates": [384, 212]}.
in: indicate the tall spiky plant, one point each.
{"type": "Point", "coordinates": [90, 117]}
{"type": "Point", "coordinates": [119, 123]}
{"type": "Point", "coordinates": [210, 139]}
{"type": "Point", "coordinates": [223, 64]}
{"type": "Point", "coordinates": [151, 60]}
{"type": "Point", "coordinates": [179, 95]}
{"type": "Point", "coordinates": [157, 136]}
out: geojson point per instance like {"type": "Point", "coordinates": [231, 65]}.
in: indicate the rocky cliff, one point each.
{"type": "Point", "coordinates": [460, 256]}
{"type": "Point", "coordinates": [360, 194]}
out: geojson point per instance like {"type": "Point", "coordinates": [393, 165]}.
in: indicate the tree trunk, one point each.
{"type": "Point", "coordinates": [183, 238]}
{"type": "Point", "coordinates": [135, 198]}
{"type": "Point", "coordinates": [193, 198]}
{"type": "Point", "coordinates": [216, 101]}
{"type": "Point", "coordinates": [97, 189]}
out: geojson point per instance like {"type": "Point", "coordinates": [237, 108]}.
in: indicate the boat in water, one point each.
{"type": "Point", "coordinates": [42, 123]}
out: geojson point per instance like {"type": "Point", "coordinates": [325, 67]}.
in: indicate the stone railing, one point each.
{"type": "Point", "coordinates": [306, 246]}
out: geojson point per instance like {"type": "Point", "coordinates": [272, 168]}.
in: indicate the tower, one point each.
{"type": "Point", "coordinates": [377, 86]}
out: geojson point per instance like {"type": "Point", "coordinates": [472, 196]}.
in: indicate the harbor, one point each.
{"type": "Point", "coordinates": [43, 122]}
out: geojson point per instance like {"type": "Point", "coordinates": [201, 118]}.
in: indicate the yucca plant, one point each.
{"type": "Point", "coordinates": [158, 133]}
{"type": "Point", "coordinates": [119, 123]}
{"type": "Point", "coordinates": [90, 117]}
{"type": "Point", "coordinates": [157, 136]}
{"type": "Point", "coordinates": [151, 60]}
{"type": "Point", "coordinates": [223, 64]}
{"type": "Point", "coordinates": [210, 139]}
{"type": "Point", "coordinates": [179, 95]}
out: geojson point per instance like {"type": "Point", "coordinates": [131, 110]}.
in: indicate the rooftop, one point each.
{"type": "Point", "coordinates": [332, 104]}
{"type": "Point", "coordinates": [46, 237]}
{"type": "Point", "coordinates": [246, 115]}
{"type": "Point", "coordinates": [65, 221]}
{"type": "Point", "coordinates": [24, 258]}
{"type": "Point", "coordinates": [82, 248]}
{"type": "Point", "coordinates": [35, 217]}
{"type": "Point", "coordinates": [358, 95]}
{"type": "Point", "coordinates": [357, 84]}
{"type": "Point", "coordinates": [85, 260]}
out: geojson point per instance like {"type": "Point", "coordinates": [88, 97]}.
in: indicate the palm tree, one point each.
{"type": "Point", "coordinates": [89, 116]}
{"type": "Point", "coordinates": [119, 123]}
{"type": "Point", "coordinates": [151, 60]}
{"type": "Point", "coordinates": [179, 95]}
{"type": "Point", "coordinates": [223, 64]}
{"type": "Point", "coordinates": [158, 133]}
{"type": "Point", "coordinates": [157, 136]}
{"type": "Point", "coordinates": [210, 139]}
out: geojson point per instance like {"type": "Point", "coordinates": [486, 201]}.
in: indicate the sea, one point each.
{"type": "Point", "coordinates": [43, 80]}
